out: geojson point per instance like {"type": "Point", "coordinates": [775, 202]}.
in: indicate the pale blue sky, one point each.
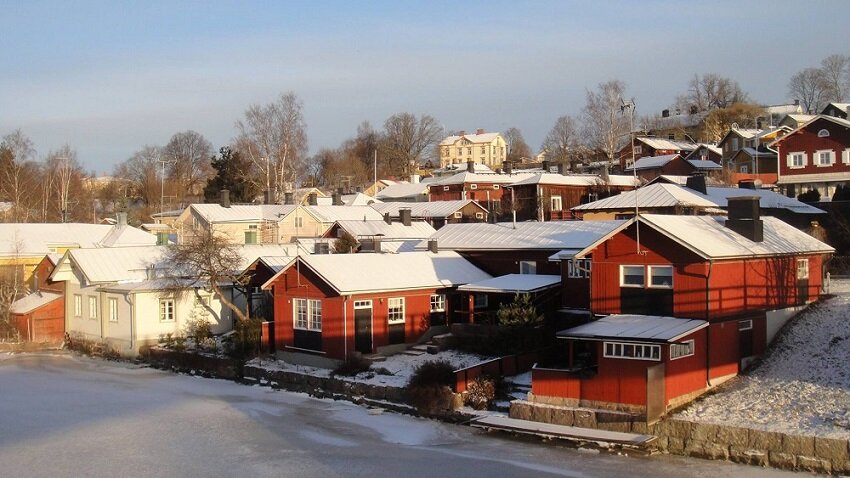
{"type": "Point", "coordinates": [109, 77]}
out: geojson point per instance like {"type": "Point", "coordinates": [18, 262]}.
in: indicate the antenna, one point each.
{"type": "Point", "coordinates": [630, 106]}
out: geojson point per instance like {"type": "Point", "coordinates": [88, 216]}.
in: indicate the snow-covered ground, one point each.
{"type": "Point", "coordinates": [803, 384]}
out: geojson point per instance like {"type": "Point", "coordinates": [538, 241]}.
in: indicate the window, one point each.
{"type": "Point", "coordinates": [481, 301]}
{"type": "Point", "coordinates": [251, 237]}
{"type": "Point", "coordinates": [661, 276]}
{"type": "Point", "coordinates": [824, 158]}
{"type": "Point", "coordinates": [113, 310]}
{"type": "Point", "coordinates": [555, 203]}
{"type": "Point", "coordinates": [445, 151]}
{"type": "Point", "coordinates": [802, 268]}
{"type": "Point", "coordinates": [632, 351]}
{"type": "Point", "coordinates": [638, 149]}
{"type": "Point", "coordinates": [632, 276]}
{"type": "Point", "coordinates": [796, 160]}
{"type": "Point", "coordinates": [684, 349]}
{"type": "Point", "coordinates": [395, 310]}
{"type": "Point", "coordinates": [824, 133]}
{"type": "Point", "coordinates": [744, 169]}
{"type": "Point", "coordinates": [745, 325]}
{"type": "Point", "coordinates": [166, 310]}
{"type": "Point", "coordinates": [78, 305]}
{"type": "Point", "coordinates": [307, 314]}
{"type": "Point", "coordinates": [578, 269]}
{"type": "Point", "coordinates": [845, 156]}
{"type": "Point", "coordinates": [458, 215]}
{"type": "Point", "coordinates": [483, 149]}
{"type": "Point", "coordinates": [445, 188]}
{"type": "Point", "coordinates": [671, 136]}
{"type": "Point", "coordinates": [438, 303]}
{"type": "Point", "coordinates": [92, 307]}
{"type": "Point", "coordinates": [479, 215]}
{"type": "Point", "coordinates": [460, 151]}
{"type": "Point", "coordinates": [495, 186]}
{"type": "Point", "coordinates": [527, 267]}
{"type": "Point", "coordinates": [299, 221]}
{"type": "Point", "coordinates": [469, 150]}
{"type": "Point", "coordinates": [473, 186]}
{"type": "Point", "coordinates": [734, 144]}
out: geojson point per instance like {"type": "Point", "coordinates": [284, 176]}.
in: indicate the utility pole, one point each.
{"type": "Point", "coordinates": [630, 106]}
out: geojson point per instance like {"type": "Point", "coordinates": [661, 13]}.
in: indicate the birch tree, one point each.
{"type": "Point", "coordinates": [561, 141]}
{"type": "Point", "coordinates": [604, 127]}
{"type": "Point", "coordinates": [64, 174]}
{"type": "Point", "coordinates": [19, 174]}
{"type": "Point", "coordinates": [188, 153]}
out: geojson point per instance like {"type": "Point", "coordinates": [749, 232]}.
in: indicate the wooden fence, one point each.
{"type": "Point", "coordinates": [498, 367]}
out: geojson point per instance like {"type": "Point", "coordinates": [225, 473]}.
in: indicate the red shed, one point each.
{"type": "Point", "coordinates": [39, 317]}
{"type": "Point", "coordinates": [333, 305]}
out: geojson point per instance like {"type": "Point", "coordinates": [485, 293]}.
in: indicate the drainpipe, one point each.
{"type": "Point", "coordinates": [345, 326]}
{"type": "Point", "coordinates": [708, 329]}
{"type": "Point", "coordinates": [131, 300]}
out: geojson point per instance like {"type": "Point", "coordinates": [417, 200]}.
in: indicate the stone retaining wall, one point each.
{"type": "Point", "coordinates": [703, 440]}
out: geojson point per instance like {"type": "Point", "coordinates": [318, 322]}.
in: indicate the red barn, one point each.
{"type": "Point", "coordinates": [333, 305]}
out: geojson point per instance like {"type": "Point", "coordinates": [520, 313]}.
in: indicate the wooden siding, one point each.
{"type": "Point", "coordinates": [807, 140]}
{"type": "Point", "coordinates": [45, 324]}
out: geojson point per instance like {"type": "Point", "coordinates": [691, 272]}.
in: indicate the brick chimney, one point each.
{"type": "Point", "coordinates": [470, 166]}
{"type": "Point", "coordinates": [406, 215]}
{"type": "Point", "coordinates": [744, 217]}
{"type": "Point", "coordinates": [697, 183]}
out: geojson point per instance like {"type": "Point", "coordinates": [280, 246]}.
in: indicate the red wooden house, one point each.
{"type": "Point", "coordinates": [745, 276]}
{"type": "Point", "coordinates": [40, 316]}
{"type": "Point", "coordinates": [549, 197]}
{"type": "Point", "coordinates": [339, 304]}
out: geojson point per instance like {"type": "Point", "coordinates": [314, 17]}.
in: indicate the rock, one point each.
{"type": "Point", "coordinates": [798, 445]}
{"type": "Point", "coordinates": [831, 449]}
{"type": "Point", "coordinates": [785, 461]}
{"type": "Point", "coordinates": [815, 465]}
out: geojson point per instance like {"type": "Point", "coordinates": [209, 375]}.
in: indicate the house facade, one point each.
{"type": "Point", "coordinates": [436, 213]}
{"type": "Point", "coordinates": [648, 147]}
{"type": "Point", "coordinates": [550, 197]}
{"type": "Point", "coordinates": [481, 148]}
{"type": "Point", "coordinates": [815, 156]}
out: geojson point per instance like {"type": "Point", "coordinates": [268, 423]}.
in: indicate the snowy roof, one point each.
{"type": "Point", "coordinates": [752, 152]}
{"type": "Point", "coordinates": [839, 121]}
{"type": "Point", "coordinates": [215, 213]}
{"type": "Point", "coordinates": [453, 168]}
{"type": "Point", "coordinates": [710, 147]}
{"type": "Point", "coordinates": [646, 328]}
{"type": "Point", "coordinates": [514, 283]}
{"type": "Point", "coordinates": [33, 301]}
{"type": "Point", "coordinates": [709, 237]}
{"type": "Point", "coordinates": [746, 133]}
{"type": "Point", "coordinates": [767, 199]}
{"type": "Point", "coordinates": [329, 214]}
{"type": "Point", "coordinates": [362, 273]}
{"type": "Point", "coordinates": [578, 180]}
{"type": "Point", "coordinates": [38, 239]}
{"type": "Point", "coordinates": [359, 199]}
{"type": "Point", "coordinates": [482, 178]}
{"type": "Point", "coordinates": [526, 235]}
{"type": "Point", "coordinates": [396, 230]}
{"type": "Point", "coordinates": [425, 209]}
{"type": "Point", "coordinates": [840, 106]}
{"type": "Point", "coordinates": [657, 195]}
{"type": "Point", "coordinates": [783, 109]}
{"type": "Point", "coordinates": [276, 263]}
{"type": "Point", "coordinates": [704, 164]}
{"type": "Point", "coordinates": [406, 190]}
{"type": "Point", "coordinates": [652, 162]}
{"type": "Point", "coordinates": [669, 144]}
{"type": "Point", "coordinates": [474, 138]}
{"type": "Point", "coordinates": [677, 179]}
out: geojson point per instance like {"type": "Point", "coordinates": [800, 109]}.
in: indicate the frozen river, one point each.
{"type": "Point", "coordinates": [62, 415]}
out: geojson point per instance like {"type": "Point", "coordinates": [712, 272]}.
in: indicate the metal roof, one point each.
{"type": "Point", "coordinates": [396, 230]}
{"type": "Point", "coordinates": [578, 180]}
{"type": "Point", "coordinates": [32, 301]}
{"type": "Point", "coordinates": [767, 199]}
{"type": "Point", "coordinates": [215, 213]}
{"type": "Point", "coordinates": [28, 239]}
{"type": "Point", "coordinates": [704, 164]}
{"type": "Point", "coordinates": [555, 235]}
{"type": "Point", "coordinates": [659, 143]}
{"type": "Point", "coordinates": [652, 162]}
{"type": "Point", "coordinates": [481, 178]}
{"type": "Point", "coordinates": [473, 138]}
{"type": "Point", "coordinates": [514, 283]}
{"type": "Point", "coordinates": [642, 328]}
{"type": "Point", "coordinates": [406, 190]}
{"type": "Point", "coordinates": [425, 209]}
{"type": "Point", "coordinates": [330, 214]}
{"type": "Point", "coordinates": [657, 195]}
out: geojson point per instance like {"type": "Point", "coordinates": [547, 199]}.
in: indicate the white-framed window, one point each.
{"type": "Point", "coordinates": [78, 305]}
{"type": "Point", "coordinates": [661, 277]}
{"type": "Point", "coordinates": [824, 133]}
{"type": "Point", "coordinates": [744, 169]}
{"type": "Point", "coordinates": [299, 221]}
{"type": "Point", "coordinates": [438, 303]}
{"type": "Point", "coordinates": [307, 314]}
{"type": "Point", "coordinates": [473, 186]}
{"type": "Point", "coordinates": [632, 351]}
{"type": "Point", "coordinates": [480, 301]}
{"type": "Point", "coordinates": [824, 157]}
{"type": "Point", "coordinates": [113, 310]}
{"type": "Point", "coordinates": [362, 304]}
{"type": "Point", "coordinates": [745, 325]}
{"type": "Point", "coordinates": [797, 159]}
{"type": "Point", "coordinates": [638, 149]}
{"type": "Point", "coordinates": [845, 156]}
{"type": "Point", "coordinates": [458, 215]}
{"type": "Point", "coordinates": [469, 150]}
{"type": "Point", "coordinates": [496, 186]}
{"type": "Point", "coordinates": [632, 276]}
{"type": "Point", "coordinates": [555, 203]}
{"type": "Point", "coordinates": [445, 188]}
{"type": "Point", "coordinates": [166, 310]}
{"type": "Point", "coordinates": [682, 349]}
{"type": "Point", "coordinates": [251, 237]}
{"type": "Point", "coordinates": [92, 307]}
{"type": "Point", "coordinates": [527, 267]}
{"type": "Point", "coordinates": [395, 310]}
{"type": "Point", "coordinates": [578, 269]}
{"type": "Point", "coordinates": [483, 149]}
{"type": "Point", "coordinates": [802, 268]}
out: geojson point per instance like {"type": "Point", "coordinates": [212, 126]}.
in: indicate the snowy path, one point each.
{"type": "Point", "coordinates": [62, 415]}
{"type": "Point", "coordinates": [803, 383]}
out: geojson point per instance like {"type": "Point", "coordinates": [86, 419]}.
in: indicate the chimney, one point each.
{"type": "Point", "coordinates": [406, 215]}
{"type": "Point", "coordinates": [744, 217]}
{"type": "Point", "coordinates": [665, 113]}
{"type": "Point", "coordinates": [694, 110]}
{"type": "Point", "coordinates": [545, 166]}
{"type": "Point", "coordinates": [224, 195]}
{"type": "Point", "coordinates": [479, 131]}
{"type": "Point", "coordinates": [432, 246]}
{"type": "Point", "coordinates": [461, 133]}
{"type": "Point", "coordinates": [506, 165]}
{"type": "Point", "coordinates": [747, 184]}
{"type": "Point", "coordinates": [150, 272]}
{"type": "Point", "coordinates": [414, 179]}
{"type": "Point", "coordinates": [337, 199]}
{"type": "Point", "coordinates": [313, 199]}
{"type": "Point", "coordinates": [797, 102]}
{"type": "Point", "coordinates": [267, 197]}
{"type": "Point", "coordinates": [470, 166]}
{"type": "Point", "coordinates": [387, 218]}
{"type": "Point", "coordinates": [121, 219]}
{"type": "Point", "coordinates": [697, 183]}
{"type": "Point", "coordinates": [288, 198]}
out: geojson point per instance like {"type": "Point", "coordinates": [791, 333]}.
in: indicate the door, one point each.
{"type": "Point", "coordinates": [745, 337]}
{"type": "Point", "coordinates": [363, 326]}
{"type": "Point", "coordinates": [655, 406]}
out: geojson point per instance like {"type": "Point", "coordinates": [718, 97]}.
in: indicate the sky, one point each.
{"type": "Point", "coordinates": [109, 77]}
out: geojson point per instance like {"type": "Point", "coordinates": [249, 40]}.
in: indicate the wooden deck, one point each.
{"type": "Point", "coordinates": [549, 430]}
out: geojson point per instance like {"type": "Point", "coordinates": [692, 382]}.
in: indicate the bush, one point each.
{"type": "Point", "coordinates": [480, 392]}
{"type": "Point", "coordinates": [433, 373]}
{"type": "Point", "coordinates": [430, 386]}
{"type": "Point", "coordinates": [200, 330]}
{"type": "Point", "coordinates": [245, 343]}
{"type": "Point", "coordinates": [352, 366]}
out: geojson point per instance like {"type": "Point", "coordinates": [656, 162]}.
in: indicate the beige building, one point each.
{"type": "Point", "coordinates": [480, 148]}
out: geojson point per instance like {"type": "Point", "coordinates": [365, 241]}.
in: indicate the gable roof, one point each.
{"type": "Point", "coordinates": [652, 162]}
{"type": "Point", "coordinates": [514, 283]}
{"type": "Point", "coordinates": [473, 138]}
{"type": "Point", "coordinates": [330, 214]}
{"type": "Point", "coordinates": [425, 209]}
{"type": "Point", "coordinates": [644, 328]}
{"type": "Point", "coordinates": [657, 195]}
{"type": "Point", "coordinates": [396, 230]}
{"type": "Point", "coordinates": [28, 239]}
{"type": "Point", "coordinates": [839, 106]}
{"type": "Point", "coordinates": [578, 180]}
{"type": "Point", "coordinates": [710, 147]}
{"type": "Point", "coordinates": [558, 235]}
{"type": "Point", "coordinates": [668, 144]}
{"type": "Point", "coordinates": [359, 199]}
{"type": "Point", "coordinates": [33, 301]}
{"type": "Point", "coordinates": [839, 121]}
{"type": "Point", "coordinates": [214, 213]}
{"type": "Point", "coordinates": [466, 177]}
{"type": "Point", "coordinates": [406, 190]}
{"type": "Point", "coordinates": [704, 164]}
{"type": "Point", "coordinates": [767, 199]}
{"type": "Point", "coordinates": [371, 273]}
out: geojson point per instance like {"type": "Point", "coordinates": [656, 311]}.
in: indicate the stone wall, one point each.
{"type": "Point", "coordinates": [703, 440]}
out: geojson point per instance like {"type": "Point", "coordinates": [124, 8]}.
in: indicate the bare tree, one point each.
{"type": "Point", "coordinates": [561, 141]}
{"type": "Point", "coordinates": [274, 138]}
{"type": "Point", "coordinates": [12, 286]}
{"type": "Point", "coordinates": [836, 72]}
{"type": "Point", "coordinates": [19, 174]}
{"type": "Point", "coordinates": [143, 171]}
{"type": "Point", "coordinates": [189, 155]}
{"type": "Point", "coordinates": [65, 175]}
{"type": "Point", "coordinates": [517, 147]}
{"type": "Point", "coordinates": [811, 87]}
{"type": "Point", "coordinates": [409, 141]}
{"type": "Point", "coordinates": [718, 122]}
{"type": "Point", "coordinates": [710, 91]}
{"type": "Point", "coordinates": [605, 127]}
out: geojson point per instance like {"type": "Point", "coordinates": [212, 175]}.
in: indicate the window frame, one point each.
{"type": "Point", "coordinates": [802, 269]}
{"type": "Point", "coordinates": [113, 309]}
{"type": "Point", "coordinates": [395, 310]}
{"type": "Point", "coordinates": [582, 271]}
{"type": "Point", "coordinates": [651, 269]}
{"type": "Point", "coordinates": [438, 302]}
{"type": "Point", "coordinates": [744, 325]}
{"type": "Point", "coordinates": [617, 350]}
{"type": "Point", "coordinates": [552, 203]}
{"type": "Point", "coordinates": [78, 305]}
{"type": "Point", "coordinates": [528, 267]}
{"type": "Point", "coordinates": [167, 314]}
{"type": "Point", "coordinates": [480, 301]}
{"type": "Point", "coordinates": [677, 352]}
{"type": "Point", "coordinates": [623, 283]}
{"type": "Point", "coordinates": [92, 306]}
{"type": "Point", "coordinates": [819, 155]}
{"type": "Point", "coordinates": [311, 319]}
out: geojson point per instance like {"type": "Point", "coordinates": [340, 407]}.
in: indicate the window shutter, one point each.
{"type": "Point", "coordinates": [845, 156]}
{"type": "Point", "coordinates": [789, 160]}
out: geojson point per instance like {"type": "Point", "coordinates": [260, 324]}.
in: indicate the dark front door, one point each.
{"type": "Point", "coordinates": [745, 337]}
{"type": "Point", "coordinates": [363, 326]}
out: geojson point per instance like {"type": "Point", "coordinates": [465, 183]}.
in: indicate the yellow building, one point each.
{"type": "Point", "coordinates": [481, 148]}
